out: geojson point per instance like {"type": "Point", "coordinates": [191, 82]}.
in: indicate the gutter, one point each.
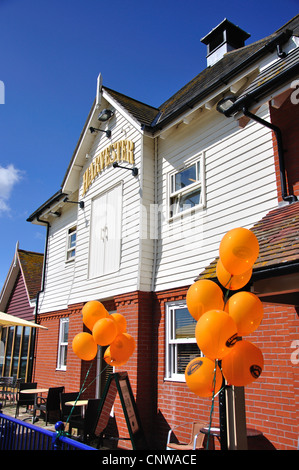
{"type": "Point", "coordinates": [291, 197]}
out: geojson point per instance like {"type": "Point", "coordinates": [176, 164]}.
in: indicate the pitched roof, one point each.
{"type": "Point", "coordinates": [278, 237]}
{"type": "Point", "coordinates": [32, 268]}
{"type": "Point", "coordinates": [206, 81]}
{"type": "Point", "coordinates": [144, 113]}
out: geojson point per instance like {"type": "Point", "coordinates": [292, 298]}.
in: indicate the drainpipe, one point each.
{"type": "Point", "coordinates": [289, 198]}
{"type": "Point", "coordinates": [33, 344]}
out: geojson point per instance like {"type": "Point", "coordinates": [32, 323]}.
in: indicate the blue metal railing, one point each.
{"type": "Point", "coordinates": [18, 435]}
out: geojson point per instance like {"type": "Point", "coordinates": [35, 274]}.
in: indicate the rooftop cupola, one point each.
{"type": "Point", "coordinates": [222, 39]}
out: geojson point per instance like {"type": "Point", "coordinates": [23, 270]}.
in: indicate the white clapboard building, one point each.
{"type": "Point", "coordinates": [145, 200]}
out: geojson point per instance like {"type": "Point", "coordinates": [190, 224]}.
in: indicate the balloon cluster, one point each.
{"type": "Point", "coordinates": [220, 325]}
{"type": "Point", "coordinates": [107, 330]}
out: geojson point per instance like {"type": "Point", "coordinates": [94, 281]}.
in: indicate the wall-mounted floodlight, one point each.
{"type": "Point", "coordinates": [94, 129]}
{"type": "Point", "coordinates": [105, 115]}
{"type": "Point", "coordinates": [81, 203]}
{"type": "Point", "coordinates": [133, 170]}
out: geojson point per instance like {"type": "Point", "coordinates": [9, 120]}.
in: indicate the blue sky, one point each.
{"type": "Point", "coordinates": [51, 52]}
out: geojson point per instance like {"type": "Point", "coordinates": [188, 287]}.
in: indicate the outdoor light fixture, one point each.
{"type": "Point", "coordinates": [93, 129]}
{"type": "Point", "coordinates": [105, 115]}
{"type": "Point", "coordinates": [133, 170]}
{"type": "Point", "coordinates": [225, 104]}
{"type": "Point", "coordinates": [81, 203]}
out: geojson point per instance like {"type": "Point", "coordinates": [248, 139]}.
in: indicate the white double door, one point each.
{"type": "Point", "coordinates": [105, 235]}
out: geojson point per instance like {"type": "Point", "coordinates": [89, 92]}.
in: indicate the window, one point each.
{"type": "Point", "coordinates": [15, 357]}
{"type": "Point", "coordinates": [181, 346]}
{"type": "Point", "coordinates": [71, 243]}
{"type": "Point", "coordinates": [63, 343]}
{"type": "Point", "coordinates": [186, 188]}
{"type": "Point", "coordinates": [105, 233]}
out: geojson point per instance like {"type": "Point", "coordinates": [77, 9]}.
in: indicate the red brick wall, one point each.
{"type": "Point", "coordinates": [286, 118]}
{"type": "Point", "coordinates": [45, 370]}
{"type": "Point", "coordinates": [271, 404]}
{"type": "Point", "coordinates": [175, 403]}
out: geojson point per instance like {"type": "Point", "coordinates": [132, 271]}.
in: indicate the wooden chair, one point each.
{"type": "Point", "coordinates": [196, 438]}
{"type": "Point", "coordinates": [51, 403]}
{"type": "Point", "coordinates": [7, 387]}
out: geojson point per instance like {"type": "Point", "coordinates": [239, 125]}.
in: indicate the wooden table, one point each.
{"type": "Point", "coordinates": [35, 392]}
{"type": "Point", "coordinates": [81, 403]}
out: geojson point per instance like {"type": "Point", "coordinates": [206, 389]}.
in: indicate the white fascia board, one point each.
{"type": "Point", "coordinates": [9, 282]}
{"type": "Point", "coordinates": [71, 182]}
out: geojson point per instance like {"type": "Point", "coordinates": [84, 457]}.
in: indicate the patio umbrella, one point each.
{"type": "Point", "coordinates": [11, 320]}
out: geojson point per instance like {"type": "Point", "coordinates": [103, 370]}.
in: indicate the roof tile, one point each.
{"type": "Point", "coordinates": [278, 237]}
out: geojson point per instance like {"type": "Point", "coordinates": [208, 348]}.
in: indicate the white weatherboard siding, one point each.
{"type": "Point", "coordinates": [59, 273]}
{"type": "Point", "coordinates": [69, 283]}
{"type": "Point", "coordinates": [87, 286]}
{"type": "Point", "coordinates": [240, 189]}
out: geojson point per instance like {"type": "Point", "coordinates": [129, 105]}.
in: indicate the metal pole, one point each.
{"type": "Point", "coordinates": [236, 418]}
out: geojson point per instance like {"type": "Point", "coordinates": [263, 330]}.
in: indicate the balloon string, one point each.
{"type": "Point", "coordinates": [212, 406]}
{"type": "Point", "coordinates": [225, 298]}
{"type": "Point", "coordinates": [82, 390]}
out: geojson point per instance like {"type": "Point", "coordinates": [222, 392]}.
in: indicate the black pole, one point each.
{"type": "Point", "coordinates": [222, 417]}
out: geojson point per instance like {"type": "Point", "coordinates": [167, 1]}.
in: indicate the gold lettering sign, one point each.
{"type": "Point", "coordinates": [123, 150]}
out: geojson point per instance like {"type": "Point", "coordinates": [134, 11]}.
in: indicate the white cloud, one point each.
{"type": "Point", "coordinates": [9, 176]}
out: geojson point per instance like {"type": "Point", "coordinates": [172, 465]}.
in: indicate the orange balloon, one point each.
{"type": "Point", "coordinates": [238, 249]}
{"type": "Point", "coordinates": [122, 347]}
{"type": "Point", "coordinates": [243, 365]}
{"type": "Point", "coordinates": [121, 322]}
{"type": "Point", "coordinates": [216, 334]}
{"type": "Point", "coordinates": [109, 359]}
{"type": "Point", "coordinates": [200, 377]}
{"type": "Point", "coordinates": [84, 346]}
{"type": "Point", "coordinates": [92, 312]}
{"type": "Point", "coordinates": [229, 281]}
{"type": "Point", "coordinates": [246, 310]}
{"type": "Point", "coordinates": [104, 331]}
{"type": "Point", "coordinates": [202, 296]}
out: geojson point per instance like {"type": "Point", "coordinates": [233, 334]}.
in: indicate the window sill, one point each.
{"type": "Point", "coordinates": [181, 215]}
{"type": "Point", "coordinates": [175, 379]}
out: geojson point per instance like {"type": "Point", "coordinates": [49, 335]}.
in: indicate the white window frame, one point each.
{"type": "Point", "coordinates": [69, 248]}
{"type": "Point", "coordinates": [62, 345]}
{"type": "Point", "coordinates": [175, 196]}
{"type": "Point", "coordinates": [171, 343]}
